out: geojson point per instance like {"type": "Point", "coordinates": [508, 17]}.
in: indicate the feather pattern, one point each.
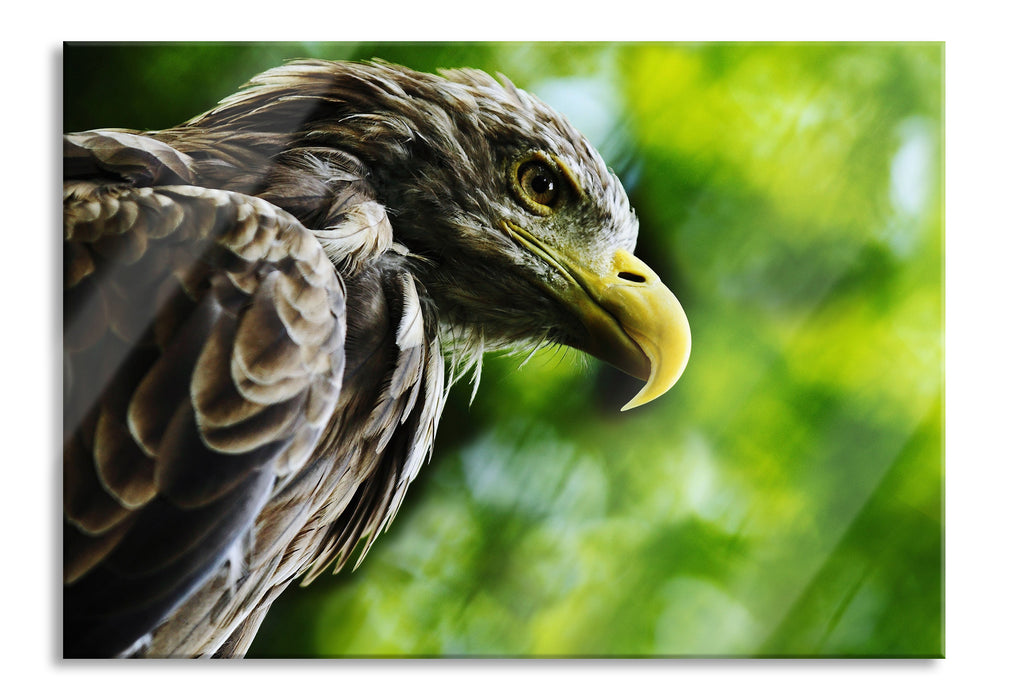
{"type": "Point", "coordinates": [205, 343]}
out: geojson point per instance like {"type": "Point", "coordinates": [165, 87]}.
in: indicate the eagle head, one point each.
{"type": "Point", "coordinates": [519, 232]}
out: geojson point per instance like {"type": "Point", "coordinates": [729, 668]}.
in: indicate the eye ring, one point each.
{"type": "Point", "coordinates": [537, 183]}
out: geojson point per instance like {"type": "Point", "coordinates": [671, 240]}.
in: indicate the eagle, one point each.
{"type": "Point", "coordinates": [265, 307]}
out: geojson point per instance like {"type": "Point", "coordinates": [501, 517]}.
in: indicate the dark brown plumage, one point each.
{"type": "Point", "coordinates": [257, 309]}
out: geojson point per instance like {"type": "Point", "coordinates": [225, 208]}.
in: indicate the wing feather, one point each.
{"type": "Point", "coordinates": [166, 464]}
{"type": "Point", "coordinates": [247, 399]}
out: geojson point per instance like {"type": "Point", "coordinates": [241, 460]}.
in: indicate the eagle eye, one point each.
{"type": "Point", "coordinates": [537, 184]}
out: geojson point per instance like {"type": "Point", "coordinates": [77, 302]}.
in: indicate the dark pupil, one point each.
{"type": "Point", "coordinates": [541, 184]}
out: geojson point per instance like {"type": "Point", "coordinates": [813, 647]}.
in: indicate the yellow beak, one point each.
{"type": "Point", "coordinates": [633, 321]}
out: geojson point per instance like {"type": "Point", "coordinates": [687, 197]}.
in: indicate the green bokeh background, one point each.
{"type": "Point", "coordinates": [786, 497]}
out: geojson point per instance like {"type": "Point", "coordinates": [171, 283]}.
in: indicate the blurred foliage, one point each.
{"type": "Point", "coordinates": [785, 498]}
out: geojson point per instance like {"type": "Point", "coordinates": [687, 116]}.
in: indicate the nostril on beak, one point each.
{"type": "Point", "coordinates": [631, 277]}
